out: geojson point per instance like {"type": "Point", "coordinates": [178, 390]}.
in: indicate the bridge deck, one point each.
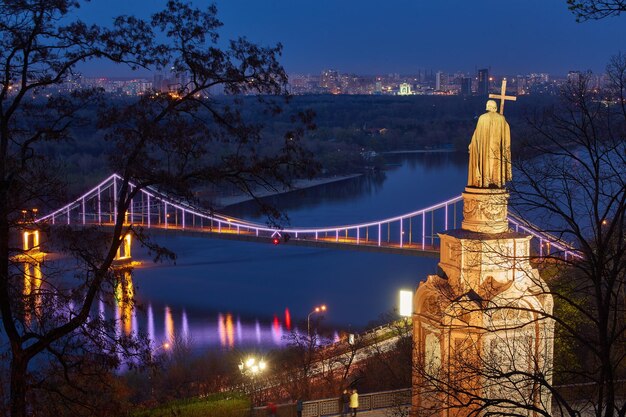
{"type": "Point", "coordinates": [414, 233]}
{"type": "Point", "coordinates": [346, 243]}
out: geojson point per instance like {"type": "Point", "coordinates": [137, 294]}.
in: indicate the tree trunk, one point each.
{"type": "Point", "coordinates": [18, 385]}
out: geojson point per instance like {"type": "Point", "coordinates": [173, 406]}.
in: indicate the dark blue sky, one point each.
{"type": "Point", "coordinates": [400, 36]}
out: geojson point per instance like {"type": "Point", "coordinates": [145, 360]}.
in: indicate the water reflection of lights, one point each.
{"type": "Point", "coordinates": [239, 331]}
{"type": "Point", "coordinates": [277, 331]}
{"type": "Point", "coordinates": [287, 319]}
{"type": "Point", "coordinates": [32, 289]}
{"type": "Point", "coordinates": [230, 334]}
{"type": "Point", "coordinates": [125, 296]}
{"type": "Point", "coordinates": [169, 325]}
{"type": "Point", "coordinates": [223, 331]}
{"type": "Point", "coordinates": [220, 329]}
{"type": "Point", "coordinates": [151, 332]}
{"type": "Point", "coordinates": [226, 330]}
{"type": "Point", "coordinates": [185, 326]}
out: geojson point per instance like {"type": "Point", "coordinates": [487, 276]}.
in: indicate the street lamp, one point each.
{"type": "Point", "coordinates": [406, 303]}
{"type": "Point", "coordinates": [151, 376]}
{"type": "Point", "coordinates": [165, 346]}
{"type": "Point", "coordinates": [250, 368]}
{"type": "Point", "coordinates": [318, 309]}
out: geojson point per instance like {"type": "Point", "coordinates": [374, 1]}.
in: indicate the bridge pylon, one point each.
{"type": "Point", "coordinates": [124, 255]}
{"type": "Point", "coordinates": [31, 258]}
{"type": "Point", "coordinates": [31, 245]}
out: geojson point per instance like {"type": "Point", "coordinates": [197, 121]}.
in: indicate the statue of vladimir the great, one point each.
{"type": "Point", "coordinates": [490, 151]}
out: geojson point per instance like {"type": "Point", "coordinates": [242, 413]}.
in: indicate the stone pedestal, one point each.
{"type": "Point", "coordinates": [479, 324]}
{"type": "Point", "coordinates": [482, 332]}
{"type": "Point", "coordinates": [485, 210]}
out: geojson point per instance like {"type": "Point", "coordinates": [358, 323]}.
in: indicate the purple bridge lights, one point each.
{"type": "Point", "coordinates": [414, 233]}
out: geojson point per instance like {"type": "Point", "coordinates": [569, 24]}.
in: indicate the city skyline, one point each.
{"type": "Point", "coordinates": [368, 37]}
{"type": "Point", "coordinates": [145, 74]}
{"type": "Point", "coordinates": [334, 82]}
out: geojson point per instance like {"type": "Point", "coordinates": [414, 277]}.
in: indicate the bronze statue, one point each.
{"type": "Point", "coordinates": [490, 151]}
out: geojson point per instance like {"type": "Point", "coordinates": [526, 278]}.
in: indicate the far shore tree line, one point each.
{"type": "Point", "coordinates": [351, 132]}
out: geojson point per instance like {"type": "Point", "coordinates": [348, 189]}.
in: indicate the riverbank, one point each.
{"type": "Point", "coordinates": [222, 202]}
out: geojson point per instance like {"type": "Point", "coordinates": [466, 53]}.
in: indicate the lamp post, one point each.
{"type": "Point", "coordinates": [250, 368]}
{"type": "Point", "coordinates": [405, 307]}
{"type": "Point", "coordinates": [318, 309]}
{"type": "Point", "coordinates": [151, 376]}
{"type": "Point", "coordinates": [165, 346]}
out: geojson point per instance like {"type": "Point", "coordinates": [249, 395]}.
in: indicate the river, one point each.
{"type": "Point", "coordinates": [230, 294]}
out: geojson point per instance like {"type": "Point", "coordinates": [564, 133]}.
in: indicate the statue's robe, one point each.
{"type": "Point", "coordinates": [490, 152]}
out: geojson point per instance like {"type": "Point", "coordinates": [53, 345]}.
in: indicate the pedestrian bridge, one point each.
{"type": "Point", "coordinates": [414, 233]}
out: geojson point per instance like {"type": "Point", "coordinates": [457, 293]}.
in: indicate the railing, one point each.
{"type": "Point", "coordinates": [417, 230]}
{"type": "Point", "coordinates": [151, 209]}
{"type": "Point", "coordinates": [332, 406]}
{"type": "Point", "coordinates": [367, 402]}
{"type": "Point", "coordinates": [547, 243]}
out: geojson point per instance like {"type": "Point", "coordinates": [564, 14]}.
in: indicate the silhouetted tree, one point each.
{"type": "Point", "coordinates": [298, 366]}
{"type": "Point", "coordinates": [596, 9]}
{"type": "Point", "coordinates": [176, 139]}
{"type": "Point", "coordinates": [386, 365]}
{"type": "Point", "coordinates": [575, 189]}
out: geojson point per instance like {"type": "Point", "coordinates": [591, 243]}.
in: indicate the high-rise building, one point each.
{"type": "Point", "coordinates": [440, 81]}
{"type": "Point", "coordinates": [466, 86]}
{"type": "Point", "coordinates": [378, 88]}
{"type": "Point", "coordinates": [483, 82]}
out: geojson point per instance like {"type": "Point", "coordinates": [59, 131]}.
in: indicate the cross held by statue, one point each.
{"type": "Point", "coordinates": [502, 96]}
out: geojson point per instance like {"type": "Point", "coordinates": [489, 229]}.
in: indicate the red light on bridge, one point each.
{"type": "Point", "coordinates": [275, 241]}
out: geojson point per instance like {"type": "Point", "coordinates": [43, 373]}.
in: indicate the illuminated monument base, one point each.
{"type": "Point", "coordinates": [485, 210]}
{"type": "Point", "coordinates": [478, 325]}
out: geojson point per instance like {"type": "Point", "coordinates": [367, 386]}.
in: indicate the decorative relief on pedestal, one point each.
{"type": "Point", "coordinates": [491, 287]}
{"type": "Point", "coordinates": [432, 354]}
{"type": "Point", "coordinates": [469, 208]}
{"type": "Point", "coordinates": [432, 307]}
{"type": "Point", "coordinates": [485, 210]}
{"type": "Point", "coordinates": [492, 212]}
